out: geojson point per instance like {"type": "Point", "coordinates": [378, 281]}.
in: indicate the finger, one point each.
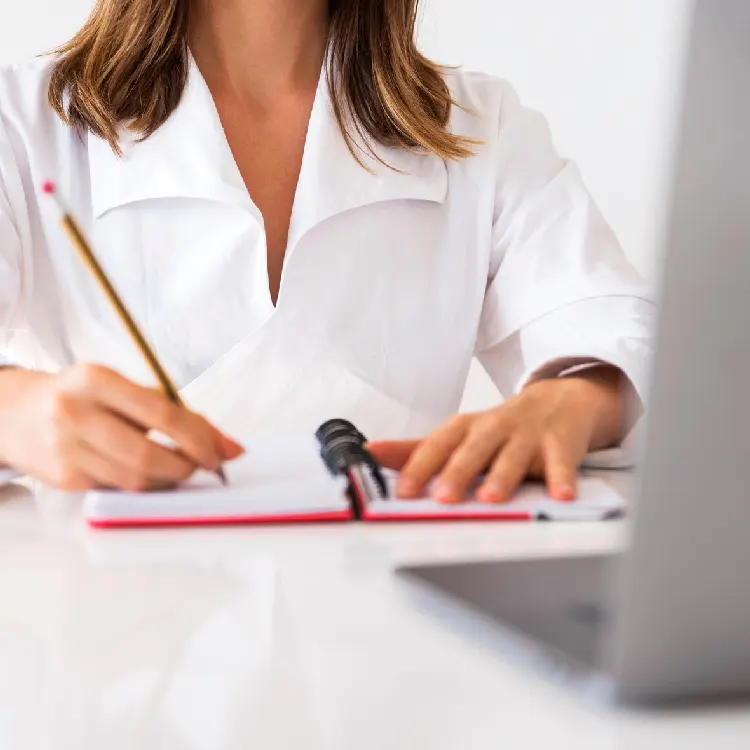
{"type": "Point", "coordinates": [152, 410]}
{"type": "Point", "coordinates": [125, 445]}
{"type": "Point", "coordinates": [429, 457]}
{"type": "Point", "coordinates": [230, 449]}
{"type": "Point", "coordinates": [193, 434]}
{"type": "Point", "coordinates": [466, 463]}
{"type": "Point", "coordinates": [394, 454]}
{"type": "Point", "coordinates": [101, 471]}
{"type": "Point", "coordinates": [507, 473]}
{"type": "Point", "coordinates": [560, 469]}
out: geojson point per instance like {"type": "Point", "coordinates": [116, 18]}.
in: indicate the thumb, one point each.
{"type": "Point", "coordinates": [393, 454]}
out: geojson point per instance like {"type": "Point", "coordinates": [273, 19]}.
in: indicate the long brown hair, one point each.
{"type": "Point", "coordinates": [128, 66]}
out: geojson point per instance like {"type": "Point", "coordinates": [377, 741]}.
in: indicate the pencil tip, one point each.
{"type": "Point", "coordinates": [222, 475]}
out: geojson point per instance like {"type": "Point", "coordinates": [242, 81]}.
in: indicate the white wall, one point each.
{"type": "Point", "coordinates": [33, 26]}
{"type": "Point", "coordinates": [603, 71]}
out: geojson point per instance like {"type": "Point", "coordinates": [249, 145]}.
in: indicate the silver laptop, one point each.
{"type": "Point", "coordinates": [669, 620]}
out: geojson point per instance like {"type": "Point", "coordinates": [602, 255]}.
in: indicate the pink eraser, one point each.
{"type": "Point", "coordinates": [48, 188]}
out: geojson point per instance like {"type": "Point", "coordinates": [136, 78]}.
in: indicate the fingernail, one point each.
{"type": "Point", "coordinates": [491, 492]}
{"type": "Point", "coordinates": [230, 449]}
{"type": "Point", "coordinates": [564, 493]}
{"type": "Point", "coordinates": [445, 493]}
{"type": "Point", "coordinates": [407, 487]}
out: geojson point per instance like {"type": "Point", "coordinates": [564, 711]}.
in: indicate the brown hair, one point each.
{"type": "Point", "coordinates": [128, 67]}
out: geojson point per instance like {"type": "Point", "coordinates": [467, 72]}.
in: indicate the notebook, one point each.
{"type": "Point", "coordinates": [307, 479]}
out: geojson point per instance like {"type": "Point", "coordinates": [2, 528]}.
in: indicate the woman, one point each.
{"type": "Point", "coordinates": [300, 245]}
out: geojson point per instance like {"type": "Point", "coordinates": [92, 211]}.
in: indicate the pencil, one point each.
{"type": "Point", "coordinates": [77, 239]}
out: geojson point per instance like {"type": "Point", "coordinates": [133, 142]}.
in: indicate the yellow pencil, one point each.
{"type": "Point", "coordinates": [86, 254]}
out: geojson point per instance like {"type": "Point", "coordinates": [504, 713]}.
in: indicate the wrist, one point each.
{"type": "Point", "coordinates": [601, 395]}
{"type": "Point", "coordinates": [13, 381]}
{"type": "Point", "coordinates": [14, 384]}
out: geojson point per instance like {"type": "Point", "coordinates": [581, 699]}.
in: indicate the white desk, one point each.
{"type": "Point", "coordinates": [271, 638]}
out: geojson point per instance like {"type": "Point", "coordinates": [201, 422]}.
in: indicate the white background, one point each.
{"type": "Point", "coordinates": [603, 71]}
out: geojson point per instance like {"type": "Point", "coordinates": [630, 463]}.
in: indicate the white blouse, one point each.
{"type": "Point", "coordinates": [394, 279]}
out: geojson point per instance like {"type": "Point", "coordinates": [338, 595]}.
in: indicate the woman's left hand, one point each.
{"type": "Point", "coordinates": [545, 432]}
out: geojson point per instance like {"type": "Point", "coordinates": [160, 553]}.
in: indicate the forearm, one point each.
{"type": "Point", "coordinates": [13, 383]}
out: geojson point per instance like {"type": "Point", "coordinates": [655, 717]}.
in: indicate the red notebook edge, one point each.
{"type": "Point", "coordinates": [301, 518]}
{"type": "Point", "coordinates": [480, 515]}
{"type": "Point", "coordinates": [297, 518]}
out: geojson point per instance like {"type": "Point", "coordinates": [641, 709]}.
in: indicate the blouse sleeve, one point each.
{"type": "Point", "coordinates": [561, 293]}
{"type": "Point", "coordinates": [10, 246]}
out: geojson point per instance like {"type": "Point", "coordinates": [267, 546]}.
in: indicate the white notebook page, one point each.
{"type": "Point", "coordinates": [276, 477]}
{"type": "Point", "coordinates": [596, 499]}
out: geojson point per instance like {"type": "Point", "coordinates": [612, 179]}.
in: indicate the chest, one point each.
{"type": "Point", "coordinates": [384, 270]}
{"type": "Point", "coordinates": [388, 290]}
{"type": "Point", "coordinates": [268, 148]}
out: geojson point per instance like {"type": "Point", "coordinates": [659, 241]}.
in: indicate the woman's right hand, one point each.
{"type": "Point", "coordinates": [88, 427]}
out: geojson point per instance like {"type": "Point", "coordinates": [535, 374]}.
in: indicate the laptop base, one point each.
{"type": "Point", "coordinates": [553, 612]}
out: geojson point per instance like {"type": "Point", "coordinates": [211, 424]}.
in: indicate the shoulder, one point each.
{"type": "Point", "coordinates": [32, 132]}
{"type": "Point", "coordinates": [31, 125]}
{"type": "Point", "coordinates": [484, 105]}
{"type": "Point", "coordinates": [476, 90]}
{"type": "Point", "coordinates": [35, 144]}
{"type": "Point", "coordinates": [30, 122]}
{"type": "Point", "coordinates": [23, 89]}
